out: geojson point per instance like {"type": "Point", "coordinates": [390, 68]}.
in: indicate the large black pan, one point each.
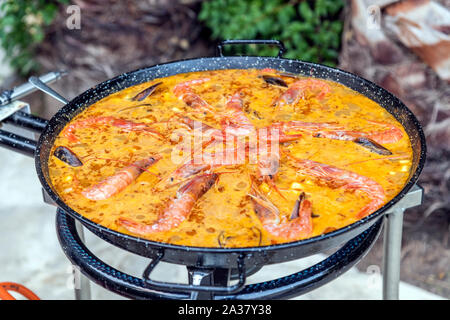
{"type": "Point", "coordinates": [230, 257]}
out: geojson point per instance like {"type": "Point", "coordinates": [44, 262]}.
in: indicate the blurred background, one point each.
{"type": "Point", "coordinates": [404, 46]}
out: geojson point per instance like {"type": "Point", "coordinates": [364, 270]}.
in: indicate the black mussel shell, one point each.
{"type": "Point", "coordinates": [68, 156]}
{"type": "Point", "coordinates": [372, 146]}
{"type": "Point", "coordinates": [146, 92]}
{"type": "Point", "coordinates": [274, 81]}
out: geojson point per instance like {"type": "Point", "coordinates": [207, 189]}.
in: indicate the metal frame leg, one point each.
{"type": "Point", "coordinates": [82, 284]}
{"type": "Point", "coordinates": [392, 254]}
{"type": "Point", "coordinates": [393, 242]}
{"type": "Point", "coordinates": [209, 277]}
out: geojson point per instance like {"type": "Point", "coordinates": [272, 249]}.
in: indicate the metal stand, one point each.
{"type": "Point", "coordinates": [391, 258]}
{"type": "Point", "coordinates": [393, 243]}
{"type": "Point", "coordinates": [392, 251]}
{"type": "Point", "coordinates": [210, 283]}
{"type": "Point", "coordinates": [82, 283]}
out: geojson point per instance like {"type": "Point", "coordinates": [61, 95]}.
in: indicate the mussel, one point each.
{"type": "Point", "coordinates": [274, 81]}
{"type": "Point", "coordinates": [372, 146]}
{"type": "Point", "coordinates": [289, 75]}
{"type": "Point", "coordinates": [146, 92]}
{"type": "Point", "coordinates": [67, 156]}
{"type": "Point", "coordinates": [295, 210]}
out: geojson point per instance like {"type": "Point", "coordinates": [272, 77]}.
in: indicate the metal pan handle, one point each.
{"type": "Point", "coordinates": [17, 143]}
{"type": "Point", "coordinates": [8, 101]}
{"type": "Point", "coordinates": [279, 44]}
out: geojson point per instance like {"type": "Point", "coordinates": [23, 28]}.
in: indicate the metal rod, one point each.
{"type": "Point", "coordinates": [26, 120]}
{"type": "Point", "coordinates": [199, 277]}
{"type": "Point", "coordinates": [27, 88]}
{"type": "Point", "coordinates": [392, 254]}
{"type": "Point", "coordinates": [207, 276]}
{"type": "Point", "coordinates": [82, 284]}
{"type": "Point", "coordinates": [17, 143]}
{"type": "Point", "coordinates": [35, 81]}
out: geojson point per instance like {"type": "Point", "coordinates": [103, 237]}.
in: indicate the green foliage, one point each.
{"type": "Point", "coordinates": [310, 30]}
{"type": "Point", "coordinates": [22, 24]}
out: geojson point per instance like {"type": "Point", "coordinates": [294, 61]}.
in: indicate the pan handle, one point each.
{"type": "Point", "coordinates": [10, 138]}
{"type": "Point", "coordinates": [17, 143]}
{"type": "Point", "coordinates": [279, 44]}
{"type": "Point", "coordinates": [22, 119]}
{"type": "Point", "coordinates": [39, 84]}
{"type": "Point", "coordinates": [27, 121]}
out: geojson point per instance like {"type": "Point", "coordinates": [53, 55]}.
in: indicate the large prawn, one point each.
{"type": "Point", "coordinates": [123, 124]}
{"type": "Point", "coordinates": [348, 180]}
{"type": "Point", "coordinates": [184, 92]}
{"type": "Point", "coordinates": [178, 208]}
{"type": "Point", "coordinates": [119, 181]}
{"type": "Point", "coordinates": [298, 90]}
{"type": "Point", "coordinates": [389, 134]}
{"type": "Point", "coordinates": [298, 225]}
{"type": "Point", "coordinates": [235, 121]}
{"type": "Point", "coordinates": [331, 130]}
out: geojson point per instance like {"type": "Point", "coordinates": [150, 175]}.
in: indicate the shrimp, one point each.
{"type": "Point", "coordinates": [305, 126]}
{"type": "Point", "coordinates": [268, 163]}
{"type": "Point", "coordinates": [125, 125]}
{"type": "Point", "coordinates": [208, 133]}
{"type": "Point", "coordinates": [146, 92]}
{"type": "Point", "coordinates": [178, 208]}
{"type": "Point", "coordinates": [184, 92]}
{"type": "Point", "coordinates": [235, 121]}
{"type": "Point", "coordinates": [119, 181]}
{"type": "Point", "coordinates": [391, 135]}
{"type": "Point", "coordinates": [267, 168]}
{"type": "Point", "coordinates": [349, 180]}
{"type": "Point", "coordinates": [205, 162]}
{"type": "Point", "coordinates": [297, 226]}
{"type": "Point", "coordinates": [331, 130]}
{"type": "Point", "coordinates": [285, 127]}
{"type": "Point", "coordinates": [298, 89]}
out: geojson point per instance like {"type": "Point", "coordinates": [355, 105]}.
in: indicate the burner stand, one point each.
{"type": "Point", "coordinates": [282, 288]}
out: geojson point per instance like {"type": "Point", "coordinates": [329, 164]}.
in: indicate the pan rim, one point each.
{"type": "Point", "coordinates": [239, 250]}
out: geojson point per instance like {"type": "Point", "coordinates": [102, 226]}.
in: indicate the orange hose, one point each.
{"type": "Point", "coordinates": [4, 295]}
{"type": "Point", "coordinates": [11, 286]}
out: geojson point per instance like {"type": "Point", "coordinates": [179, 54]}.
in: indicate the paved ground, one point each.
{"type": "Point", "coordinates": [30, 253]}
